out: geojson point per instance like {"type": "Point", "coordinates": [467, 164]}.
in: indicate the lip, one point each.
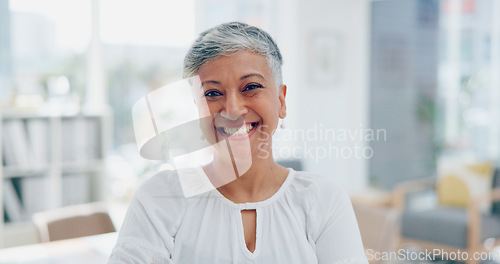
{"type": "Point", "coordinates": [221, 134]}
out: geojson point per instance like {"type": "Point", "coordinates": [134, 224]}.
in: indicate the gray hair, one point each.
{"type": "Point", "coordinates": [228, 38]}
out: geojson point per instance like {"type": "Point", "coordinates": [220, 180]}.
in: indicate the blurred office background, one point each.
{"type": "Point", "coordinates": [410, 82]}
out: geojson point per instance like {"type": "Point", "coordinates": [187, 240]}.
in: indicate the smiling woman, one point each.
{"type": "Point", "coordinates": [266, 213]}
{"type": "Point", "coordinates": [242, 85]}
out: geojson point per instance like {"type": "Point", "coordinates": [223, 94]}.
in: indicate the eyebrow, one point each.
{"type": "Point", "coordinates": [210, 81]}
{"type": "Point", "coordinates": [252, 75]}
{"type": "Point", "coordinates": [241, 79]}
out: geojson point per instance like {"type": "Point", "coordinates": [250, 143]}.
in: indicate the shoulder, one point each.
{"type": "Point", "coordinates": [164, 183]}
{"type": "Point", "coordinates": [329, 207]}
{"type": "Point", "coordinates": [156, 210]}
{"type": "Point", "coordinates": [152, 221]}
{"type": "Point", "coordinates": [318, 187]}
{"type": "Point", "coordinates": [322, 197]}
{"type": "Point", "coordinates": [159, 198]}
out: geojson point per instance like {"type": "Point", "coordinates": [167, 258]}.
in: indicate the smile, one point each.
{"type": "Point", "coordinates": [244, 130]}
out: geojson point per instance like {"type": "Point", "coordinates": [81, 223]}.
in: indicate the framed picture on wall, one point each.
{"type": "Point", "coordinates": [324, 60]}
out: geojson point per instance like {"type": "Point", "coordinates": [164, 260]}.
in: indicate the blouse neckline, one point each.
{"type": "Point", "coordinates": [260, 204]}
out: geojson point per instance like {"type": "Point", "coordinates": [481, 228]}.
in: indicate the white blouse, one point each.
{"type": "Point", "coordinates": [308, 220]}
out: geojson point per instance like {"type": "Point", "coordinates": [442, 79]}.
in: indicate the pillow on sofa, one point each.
{"type": "Point", "coordinates": [459, 180]}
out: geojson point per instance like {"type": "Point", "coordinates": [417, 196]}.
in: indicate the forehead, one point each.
{"type": "Point", "coordinates": [236, 65]}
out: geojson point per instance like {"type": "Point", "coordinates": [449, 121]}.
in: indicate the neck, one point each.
{"type": "Point", "coordinates": [260, 182]}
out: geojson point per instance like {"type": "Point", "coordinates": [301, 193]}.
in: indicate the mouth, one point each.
{"type": "Point", "coordinates": [245, 130]}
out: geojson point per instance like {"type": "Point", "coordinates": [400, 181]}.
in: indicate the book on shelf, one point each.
{"type": "Point", "coordinates": [26, 142]}
{"type": "Point", "coordinates": [29, 149]}
{"type": "Point", "coordinates": [93, 146]}
{"type": "Point", "coordinates": [38, 133]}
{"type": "Point", "coordinates": [80, 139]}
{"type": "Point", "coordinates": [69, 135]}
{"type": "Point", "coordinates": [17, 150]}
{"type": "Point", "coordinates": [9, 157]}
{"type": "Point", "coordinates": [36, 193]}
{"type": "Point", "coordinates": [32, 194]}
{"type": "Point", "coordinates": [75, 189]}
{"type": "Point", "coordinates": [12, 201]}
{"type": "Point", "coordinates": [80, 142]}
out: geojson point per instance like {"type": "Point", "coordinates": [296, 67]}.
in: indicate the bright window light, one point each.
{"type": "Point", "coordinates": [71, 19]}
{"type": "Point", "coordinates": [148, 22]}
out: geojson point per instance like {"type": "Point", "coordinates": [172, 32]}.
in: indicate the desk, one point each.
{"type": "Point", "coordinates": [85, 250]}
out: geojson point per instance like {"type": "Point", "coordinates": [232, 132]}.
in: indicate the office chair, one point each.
{"type": "Point", "coordinates": [73, 221]}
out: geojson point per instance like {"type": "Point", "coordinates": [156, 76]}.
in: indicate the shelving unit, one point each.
{"type": "Point", "coordinates": [2, 233]}
{"type": "Point", "coordinates": [49, 161]}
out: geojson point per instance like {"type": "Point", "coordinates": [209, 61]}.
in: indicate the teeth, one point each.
{"type": "Point", "coordinates": [239, 131]}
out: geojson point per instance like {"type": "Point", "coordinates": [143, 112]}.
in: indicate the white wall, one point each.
{"type": "Point", "coordinates": [331, 106]}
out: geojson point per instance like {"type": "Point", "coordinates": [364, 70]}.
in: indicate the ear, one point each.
{"type": "Point", "coordinates": [281, 97]}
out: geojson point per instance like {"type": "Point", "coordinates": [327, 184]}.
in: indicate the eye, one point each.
{"type": "Point", "coordinates": [252, 86]}
{"type": "Point", "coordinates": [212, 93]}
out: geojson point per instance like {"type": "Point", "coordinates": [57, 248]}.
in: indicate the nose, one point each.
{"type": "Point", "coordinates": [234, 107]}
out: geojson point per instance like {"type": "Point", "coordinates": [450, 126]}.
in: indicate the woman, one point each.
{"type": "Point", "coordinates": [266, 213]}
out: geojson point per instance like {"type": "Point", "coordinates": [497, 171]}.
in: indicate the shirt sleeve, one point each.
{"type": "Point", "coordinates": [149, 228]}
{"type": "Point", "coordinates": [336, 236]}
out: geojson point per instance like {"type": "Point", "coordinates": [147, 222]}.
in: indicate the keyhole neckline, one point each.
{"type": "Point", "coordinates": [260, 204]}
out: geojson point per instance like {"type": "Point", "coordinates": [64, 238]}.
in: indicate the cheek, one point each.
{"type": "Point", "coordinates": [269, 115]}
{"type": "Point", "coordinates": [212, 108]}
{"type": "Point", "coordinates": [203, 108]}
{"type": "Point", "coordinates": [270, 109]}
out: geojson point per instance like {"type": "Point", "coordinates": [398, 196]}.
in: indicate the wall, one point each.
{"type": "Point", "coordinates": [403, 83]}
{"type": "Point", "coordinates": [318, 105]}
{"type": "Point", "coordinates": [5, 49]}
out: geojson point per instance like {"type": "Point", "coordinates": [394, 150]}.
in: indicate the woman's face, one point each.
{"type": "Point", "coordinates": [243, 100]}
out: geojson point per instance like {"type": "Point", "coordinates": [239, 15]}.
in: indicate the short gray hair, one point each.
{"type": "Point", "coordinates": [229, 38]}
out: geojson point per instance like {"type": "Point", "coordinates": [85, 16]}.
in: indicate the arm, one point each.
{"type": "Point", "coordinates": [138, 241]}
{"type": "Point", "coordinates": [338, 239]}
{"type": "Point", "coordinates": [154, 214]}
